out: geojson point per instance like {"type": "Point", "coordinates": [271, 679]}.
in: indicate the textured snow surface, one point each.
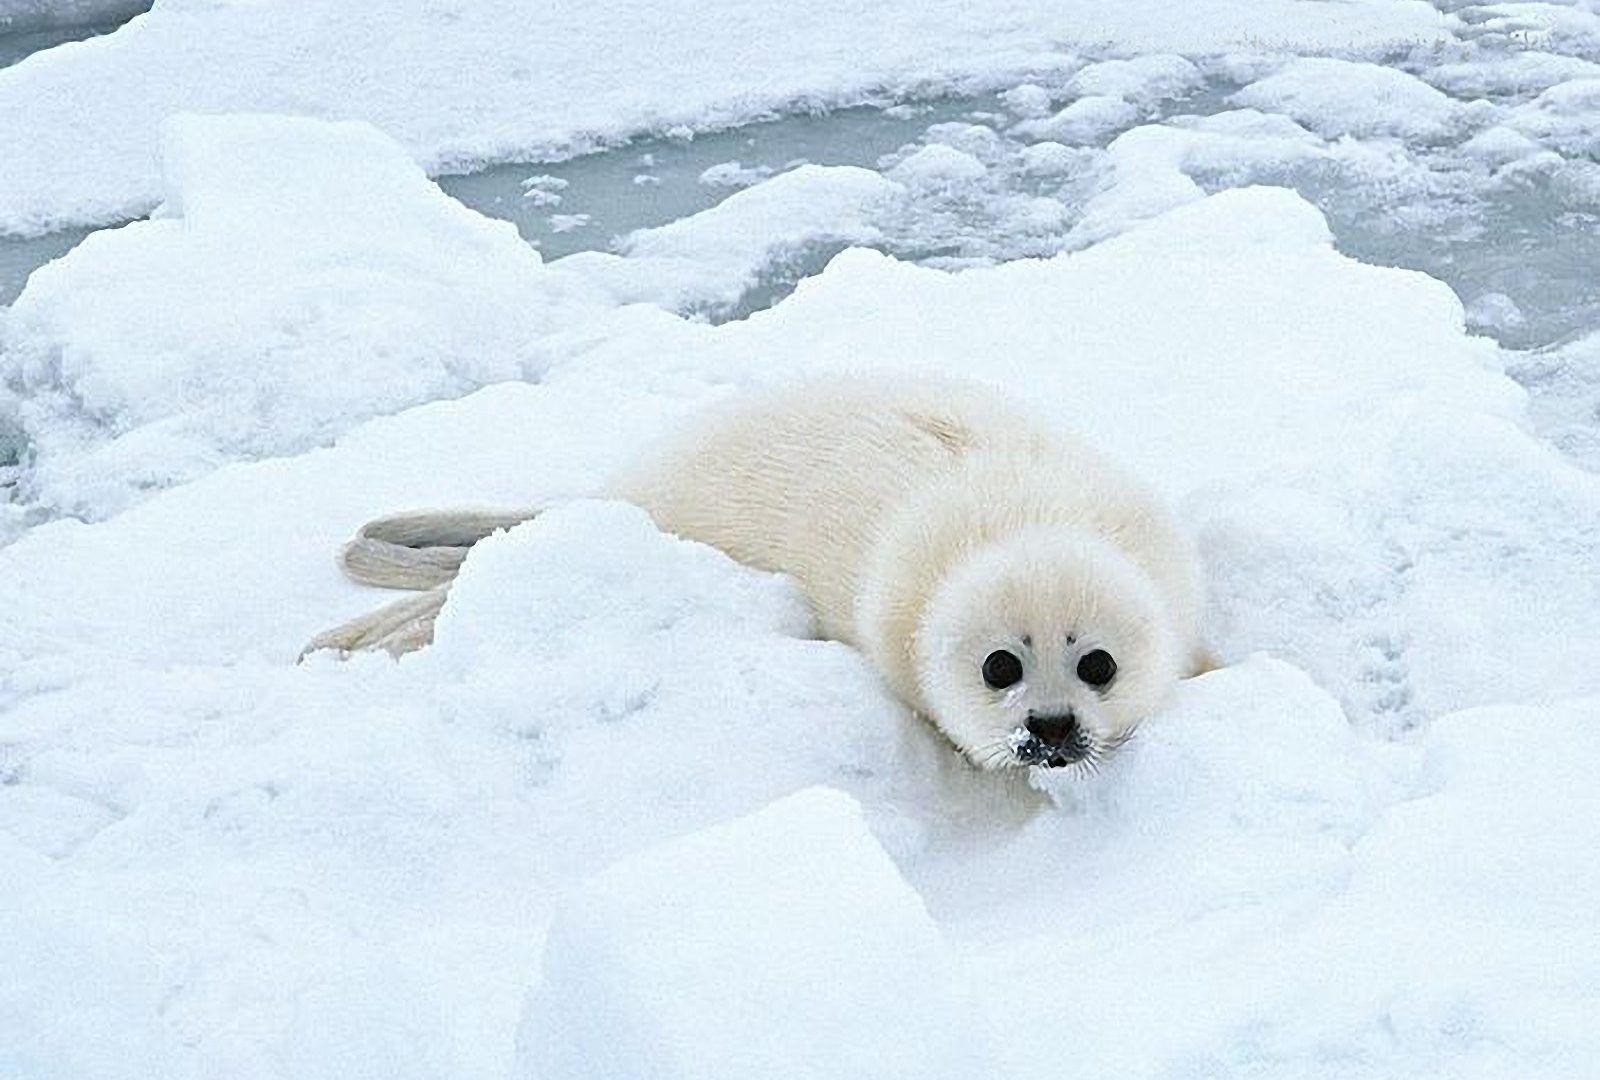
{"type": "Point", "coordinates": [1338, 97]}
{"type": "Point", "coordinates": [1565, 117]}
{"type": "Point", "coordinates": [274, 303]}
{"type": "Point", "coordinates": [1565, 385]}
{"type": "Point", "coordinates": [709, 957]}
{"type": "Point", "coordinates": [1363, 848]}
{"type": "Point", "coordinates": [224, 864]}
{"type": "Point", "coordinates": [465, 82]}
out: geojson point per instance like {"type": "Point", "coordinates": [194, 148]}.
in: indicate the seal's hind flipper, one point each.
{"type": "Point", "coordinates": [423, 549]}
{"type": "Point", "coordinates": [398, 628]}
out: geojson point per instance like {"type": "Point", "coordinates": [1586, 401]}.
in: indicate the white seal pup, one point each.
{"type": "Point", "coordinates": [1025, 596]}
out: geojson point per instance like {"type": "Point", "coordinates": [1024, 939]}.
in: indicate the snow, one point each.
{"type": "Point", "coordinates": [1493, 311]}
{"type": "Point", "coordinates": [707, 957]}
{"type": "Point", "coordinates": [1386, 378]}
{"type": "Point", "coordinates": [1563, 117]}
{"type": "Point", "coordinates": [711, 259]}
{"type": "Point", "coordinates": [1337, 97]}
{"type": "Point", "coordinates": [1048, 158]}
{"type": "Point", "coordinates": [1519, 73]}
{"type": "Point", "coordinates": [519, 572]}
{"type": "Point", "coordinates": [1398, 914]}
{"type": "Point", "coordinates": [1564, 382]}
{"type": "Point", "coordinates": [469, 82]}
{"type": "Point", "coordinates": [247, 867]}
{"type": "Point", "coordinates": [1086, 120]}
{"type": "Point", "coordinates": [1500, 146]}
{"type": "Point", "coordinates": [734, 175]}
{"type": "Point", "coordinates": [973, 196]}
{"type": "Point", "coordinates": [1567, 29]}
{"type": "Point", "coordinates": [939, 166]}
{"type": "Point", "coordinates": [560, 223]}
{"type": "Point", "coordinates": [273, 304]}
{"type": "Point", "coordinates": [542, 189]}
{"type": "Point", "coordinates": [1028, 100]}
{"type": "Point", "coordinates": [1363, 848]}
{"type": "Point", "coordinates": [1142, 81]}
{"type": "Point", "coordinates": [1150, 166]}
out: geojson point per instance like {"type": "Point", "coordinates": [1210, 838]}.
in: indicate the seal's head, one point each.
{"type": "Point", "coordinates": [1045, 648]}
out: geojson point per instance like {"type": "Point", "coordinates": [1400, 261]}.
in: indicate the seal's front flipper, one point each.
{"type": "Point", "coordinates": [1202, 661]}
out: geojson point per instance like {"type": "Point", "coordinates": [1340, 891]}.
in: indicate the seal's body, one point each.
{"type": "Point", "coordinates": [1026, 596]}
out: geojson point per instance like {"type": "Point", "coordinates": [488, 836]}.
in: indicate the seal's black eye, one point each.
{"type": "Point", "coordinates": [1001, 669]}
{"type": "Point", "coordinates": [1097, 668]}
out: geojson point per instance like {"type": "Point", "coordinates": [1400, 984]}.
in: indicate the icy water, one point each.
{"type": "Point", "coordinates": [1522, 241]}
{"type": "Point", "coordinates": [19, 257]}
{"type": "Point", "coordinates": [654, 181]}
{"type": "Point", "coordinates": [1520, 250]}
{"type": "Point", "coordinates": [15, 46]}
{"type": "Point", "coordinates": [21, 40]}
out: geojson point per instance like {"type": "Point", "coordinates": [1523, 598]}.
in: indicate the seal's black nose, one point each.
{"type": "Point", "coordinates": [1054, 730]}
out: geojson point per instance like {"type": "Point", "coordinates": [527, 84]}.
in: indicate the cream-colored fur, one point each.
{"type": "Point", "coordinates": [928, 525]}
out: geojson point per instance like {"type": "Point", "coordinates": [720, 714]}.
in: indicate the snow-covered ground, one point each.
{"type": "Point", "coordinates": [567, 839]}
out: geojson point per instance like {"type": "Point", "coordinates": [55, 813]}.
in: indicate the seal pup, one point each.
{"type": "Point", "coordinates": [1023, 594]}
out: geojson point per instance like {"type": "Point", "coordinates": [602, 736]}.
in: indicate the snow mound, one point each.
{"type": "Point", "coordinates": [1494, 311]}
{"type": "Point", "coordinates": [373, 847]}
{"type": "Point", "coordinates": [1028, 100]}
{"type": "Point", "coordinates": [1565, 385]}
{"type": "Point", "coordinates": [1507, 899]}
{"type": "Point", "coordinates": [302, 277]}
{"type": "Point", "coordinates": [784, 944]}
{"type": "Point", "coordinates": [1110, 96]}
{"type": "Point", "coordinates": [939, 166]}
{"type": "Point", "coordinates": [710, 259]}
{"type": "Point", "coordinates": [1049, 159]}
{"type": "Point", "coordinates": [1289, 766]}
{"type": "Point", "coordinates": [1569, 29]}
{"type": "Point", "coordinates": [974, 197]}
{"type": "Point", "coordinates": [1086, 120]}
{"type": "Point", "coordinates": [1565, 117]}
{"type": "Point", "coordinates": [1338, 97]}
{"type": "Point", "coordinates": [475, 81]}
{"type": "Point", "coordinates": [1414, 911]}
{"type": "Point", "coordinates": [1147, 170]}
{"type": "Point", "coordinates": [1519, 73]}
{"type": "Point", "coordinates": [734, 174]}
{"type": "Point", "coordinates": [1142, 81]}
{"type": "Point", "coordinates": [1499, 146]}
{"type": "Point", "coordinates": [538, 588]}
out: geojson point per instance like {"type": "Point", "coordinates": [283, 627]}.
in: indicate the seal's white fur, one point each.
{"type": "Point", "coordinates": [929, 525]}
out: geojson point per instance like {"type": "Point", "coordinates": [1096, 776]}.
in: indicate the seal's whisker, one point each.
{"type": "Point", "coordinates": [987, 755]}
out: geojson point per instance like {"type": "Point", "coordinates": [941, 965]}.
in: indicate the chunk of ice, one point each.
{"type": "Point", "coordinates": [784, 944]}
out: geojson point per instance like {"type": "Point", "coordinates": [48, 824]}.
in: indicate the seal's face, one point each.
{"type": "Point", "coordinates": [1045, 650]}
